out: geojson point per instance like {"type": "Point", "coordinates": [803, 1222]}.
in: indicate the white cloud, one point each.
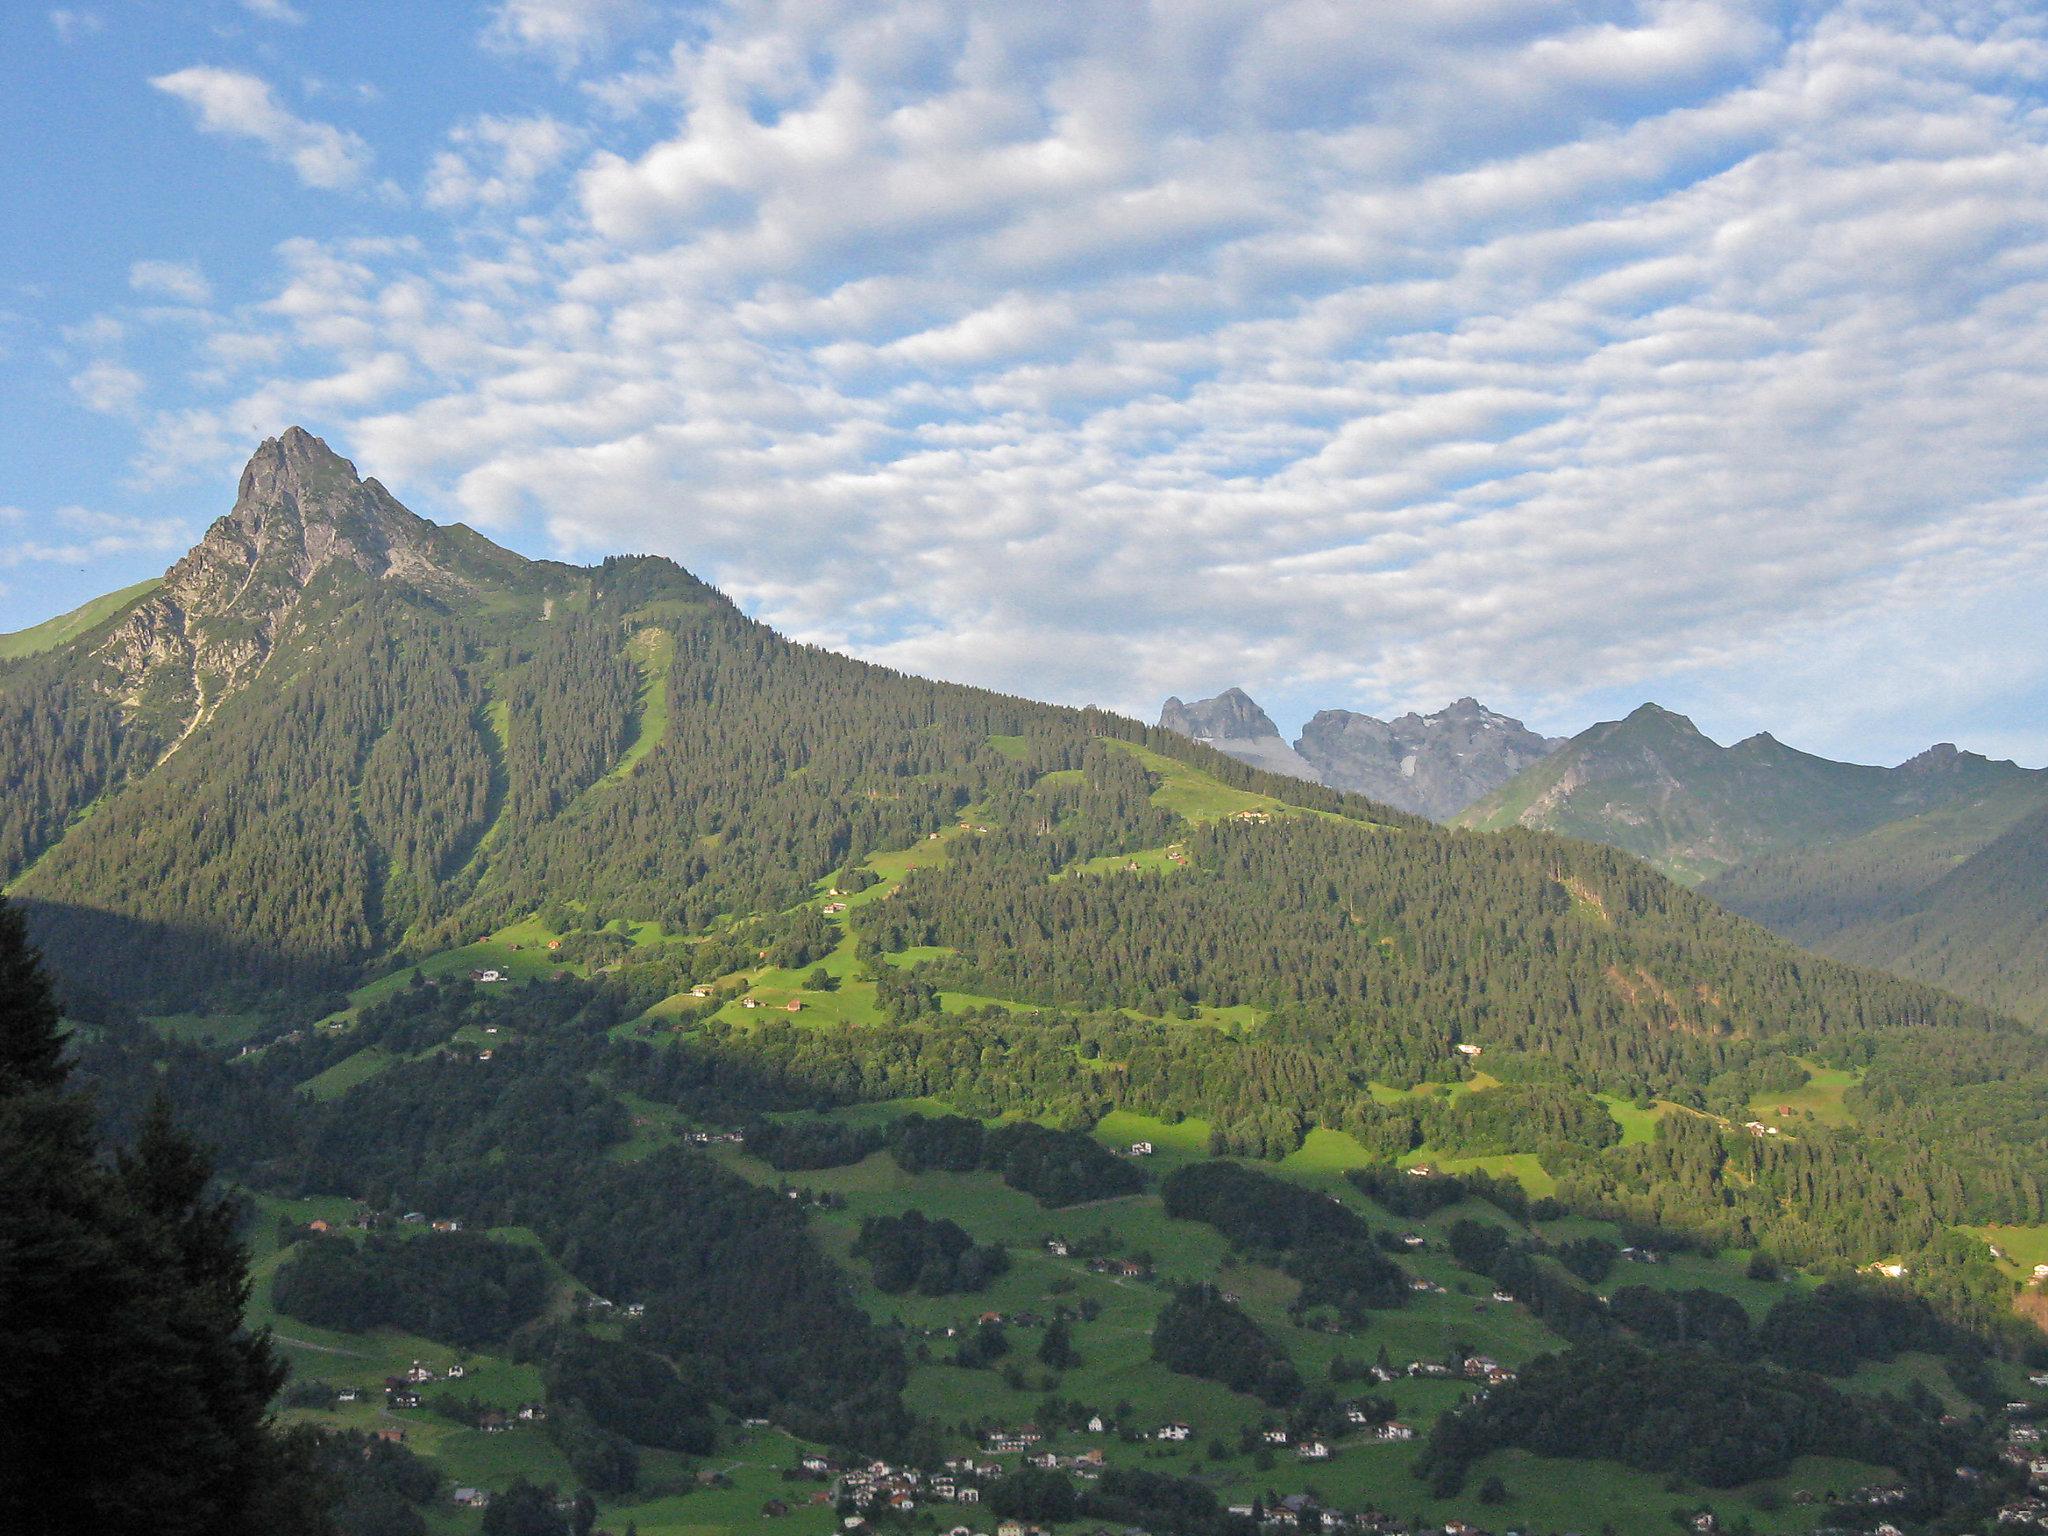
{"type": "Point", "coordinates": [72, 25]}
{"type": "Point", "coordinates": [180, 280]}
{"type": "Point", "coordinates": [83, 536]}
{"type": "Point", "coordinates": [569, 32]}
{"type": "Point", "coordinates": [274, 10]}
{"type": "Point", "coordinates": [107, 386]}
{"type": "Point", "coordinates": [1361, 359]}
{"type": "Point", "coordinates": [494, 162]}
{"type": "Point", "coordinates": [238, 105]}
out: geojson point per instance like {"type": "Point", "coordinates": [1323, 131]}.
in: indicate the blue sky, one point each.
{"type": "Point", "coordinates": [1566, 355]}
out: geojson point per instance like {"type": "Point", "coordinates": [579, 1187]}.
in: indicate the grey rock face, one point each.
{"type": "Point", "coordinates": [1233, 724]}
{"type": "Point", "coordinates": [207, 631]}
{"type": "Point", "coordinates": [1434, 765]}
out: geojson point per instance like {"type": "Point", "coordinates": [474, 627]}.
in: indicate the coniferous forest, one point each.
{"type": "Point", "coordinates": [576, 905]}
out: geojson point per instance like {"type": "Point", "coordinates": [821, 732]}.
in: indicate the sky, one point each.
{"type": "Point", "coordinates": [1362, 355]}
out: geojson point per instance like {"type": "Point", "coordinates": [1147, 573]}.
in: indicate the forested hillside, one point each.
{"type": "Point", "coordinates": [447, 882]}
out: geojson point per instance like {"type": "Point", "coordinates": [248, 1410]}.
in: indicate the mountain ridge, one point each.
{"type": "Point", "coordinates": [1429, 765]}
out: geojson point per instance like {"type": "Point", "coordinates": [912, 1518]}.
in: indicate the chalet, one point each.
{"type": "Point", "coordinates": [533, 1412]}
{"type": "Point", "coordinates": [493, 1423]}
{"type": "Point", "coordinates": [316, 1225]}
{"type": "Point", "coordinates": [1422, 1171]}
{"type": "Point", "coordinates": [636, 1309]}
{"type": "Point", "coordinates": [419, 1373]}
{"type": "Point", "coordinates": [750, 1002]}
{"type": "Point", "coordinates": [1503, 1296]}
{"type": "Point", "coordinates": [1273, 1436]}
{"type": "Point", "coordinates": [483, 1055]}
{"type": "Point", "coordinates": [700, 991]}
{"type": "Point", "coordinates": [414, 1216]}
{"type": "Point", "coordinates": [816, 1464]}
{"type": "Point", "coordinates": [794, 1005]}
{"type": "Point", "coordinates": [1097, 1424]}
{"type": "Point", "coordinates": [457, 1372]}
{"type": "Point", "coordinates": [472, 1498]}
{"type": "Point", "coordinates": [1057, 1247]}
{"type": "Point", "coordinates": [1141, 1149]}
{"type": "Point", "coordinates": [1394, 1430]}
{"type": "Point", "coordinates": [393, 1436]}
{"type": "Point", "coordinates": [1466, 1048]}
{"type": "Point", "coordinates": [1232, 1297]}
{"type": "Point", "coordinates": [1312, 1450]}
{"type": "Point", "coordinates": [404, 1399]}
{"type": "Point", "coordinates": [774, 1509]}
{"type": "Point", "coordinates": [347, 1395]}
{"type": "Point", "coordinates": [1413, 1240]}
{"type": "Point", "coordinates": [449, 1223]}
{"type": "Point", "coordinates": [1173, 1431]}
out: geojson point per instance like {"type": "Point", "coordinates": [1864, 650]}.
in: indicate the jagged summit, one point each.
{"type": "Point", "coordinates": [1434, 765]}
{"type": "Point", "coordinates": [303, 521]}
{"type": "Point", "coordinates": [1232, 722]}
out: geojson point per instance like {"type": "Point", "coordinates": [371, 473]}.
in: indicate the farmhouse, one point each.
{"type": "Point", "coordinates": [1312, 1450]}
{"type": "Point", "coordinates": [1173, 1431]}
{"type": "Point", "coordinates": [1141, 1149]}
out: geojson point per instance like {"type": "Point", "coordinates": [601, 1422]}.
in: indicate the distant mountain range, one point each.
{"type": "Point", "coordinates": [1433, 765]}
{"type": "Point", "coordinates": [1935, 869]}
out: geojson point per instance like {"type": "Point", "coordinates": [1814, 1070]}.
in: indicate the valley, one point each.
{"type": "Point", "coordinates": [679, 965]}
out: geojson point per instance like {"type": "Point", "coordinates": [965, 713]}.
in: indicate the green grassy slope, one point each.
{"type": "Point", "coordinates": [66, 627]}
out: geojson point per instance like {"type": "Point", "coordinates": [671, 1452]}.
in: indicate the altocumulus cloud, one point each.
{"type": "Point", "coordinates": [1364, 353]}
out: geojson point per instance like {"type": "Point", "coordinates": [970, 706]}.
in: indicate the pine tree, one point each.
{"type": "Point", "coordinates": [123, 1359]}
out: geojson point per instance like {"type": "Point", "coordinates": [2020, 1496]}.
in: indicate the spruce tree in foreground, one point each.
{"type": "Point", "coordinates": [131, 1396]}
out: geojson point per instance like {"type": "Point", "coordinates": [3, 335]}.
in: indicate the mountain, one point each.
{"type": "Point", "coordinates": [1233, 724]}
{"type": "Point", "coordinates": [1957, 898]}
{"type": "Point", "coordinates": [1428, 765]}
{"type": "Point", "coordinates": [795, 1006]}
{"type": "Point", "coordinates": [1654, 785]}
{"type": "Point", "coordinates": [1930, 869]}
{"type": "Point", "coordinates": [1434, 765]}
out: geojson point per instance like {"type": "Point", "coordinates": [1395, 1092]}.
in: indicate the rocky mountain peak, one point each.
{"type": "Point", "coordinates": [1434, 765]}
{"type": "Point", "coordinates": [1233, 723]}
{"type": "Point", "coordinates": [300, 511]}
{"type": "Point", "coordinates": [1942, 757]}
{"type": "Point", "coordinates": [1230, 716]}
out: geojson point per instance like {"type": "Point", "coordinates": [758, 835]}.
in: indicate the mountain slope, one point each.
{"type": "Point", "coordinates": [52, 633]}
{"type": "Point", "coordinates": [1654, 785]}
{"type": "Point", "coordinates": [741, 883]}
{"type": "Point", "coordinates": [338, 733]}
{"type": "Point", "coordinates": [1932, 897]}
{"type": "Point", "coordinates": [1234, 725]}
{"type": "Point", "coordinates": [1434, 765]}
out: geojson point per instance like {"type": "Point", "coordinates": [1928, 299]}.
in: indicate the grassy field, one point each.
{"type": "Point", "coordinates": [1819, 1099]}
{"type": "Point", "coordinates": [1118, 1376]}
{"type": "Point", "coordinates": [2023, 1247]}
{"type": "Point", "coordinates": [51, 633]}
{"type": "Point", "coordinates": [653, 651]}
{"type": "Point", "coordinates": [1194, 796]}
{"type": "Point", "coordinates": [217, 1029]}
